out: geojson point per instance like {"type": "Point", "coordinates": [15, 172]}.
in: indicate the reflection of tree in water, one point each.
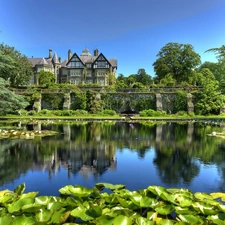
{"type": "Point", "coordinates": [15, 159]}
{"type": "Point", "coordinates": [90, 148]}
{"type": "Point", "coordinates": [176, 166]}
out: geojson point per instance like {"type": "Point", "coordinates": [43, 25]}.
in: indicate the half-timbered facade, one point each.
{"type": "Point", "coordinates": [78, 69]}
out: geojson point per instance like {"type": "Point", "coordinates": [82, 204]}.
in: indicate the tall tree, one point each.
{"type": "Point", "coordinates": [9, 101]}
{"type": "Point", "coordinates": [14, 66]}
{"type": "Point", "coordinates": [209, 100]}
{"type": "Point", "coordinates": [143, 77]}
{"type": "Point", "coordinates": [179, 60]}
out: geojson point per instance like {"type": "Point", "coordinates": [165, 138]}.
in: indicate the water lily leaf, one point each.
{"type": "Point", "coordinates": [123, 202]}
{"type": "Point", "coordinates": [80, 191]}
{"type": "Point", "coordinates": [16, 206]}
{"type": "Point", "coordinates": [55, 206]}
{"type": "Point", "coordinates": [106, 220]}
{"type": "Point", "coordinates": [166, 222]}
{"type": "Point", "coordinates": [217, 219]}
{"type": "Point", "coordinates": [94, 211]}
{"type": "Point", "coordinates": [110, 186]}
{"type": "Point", "coordinates": [111, 199]}
{"type": "Point", "coordinates": [42, 200]}
{"type": "Point", "coordinates": [165, 210]}
{"type": "Point", "coordinates": [183, 210]}
{"type": "Point", "coordinates": [65, 190]}
{"type": "Point", "coordinates": [43, 216]}
{"type": "Point", "coordinates": [183, 200]}
{"type": "Point", "coordinates": [59, 217]}
{"type": "Point", "coordinates": [72, 202]}
{"type": "Point", "coordinates": [143, 201]}
{"type": "Point", "coordinates": [29, 195]}
{"type": "Point", "coordinates": [2, 193]}
{"type": "Point", "coordinates": [20, 189]}
{"type": "Point", "coordinates": [143, 221]}
{"type": "Point", "coordinates": [204, 208]}
{"type": "Point", "coordinates": [218, 195]}
{"type": "Point", "coordinates": [123, 220]}
{"type": "Point", "coordinates": [202, 196]}
{"type": "Point", "coordinates": [31, 208]}
{"type": "Point", "coordinates": [159, 191]}
{"type": "Point", "coordinates": [221, 207]}
{"type": "Point", "coordinates": [151, 215]}
{"type": "Point", "coordinates": [191, 219]}
{"type": "Point", "coordinates": [6, 220]}
{"type": "Point", "coordinates": [212, 202]}
{"type": "Point", "coordinates": [8, 198]}
{"type": "Point", "coordinates": [23, 220]}
{"type": "Point", "coordinates": [80, 212]}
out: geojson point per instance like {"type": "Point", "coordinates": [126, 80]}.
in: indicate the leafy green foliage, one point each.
{"type": "Point", "coordinates": [9, 101]}
{"type": "Point", "coordinates": [180, 101]}
{"type": "Point", "coordinates": [14, 66]}
{"type": "Point", "coordinates": [152, 113]}
{"type": "Point", "coordinates": [209, 100]}
{"type": "Point", "coordinates": [46, 78]}
{"type": "Point", "coordinates": [179, 60]}
{"type": "Point", "coordinates": [81, 205]}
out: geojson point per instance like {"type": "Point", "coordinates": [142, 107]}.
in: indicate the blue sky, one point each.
{"type": "Point", "coordinates": [132, 31]}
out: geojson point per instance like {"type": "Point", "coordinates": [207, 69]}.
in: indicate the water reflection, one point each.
{"type": "Point", "coordinates": [172, 155]}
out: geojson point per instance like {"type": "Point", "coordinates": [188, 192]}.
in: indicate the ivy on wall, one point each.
{"type": "Point", "coordinates": [52, 101]}
{"type": "Point", "coordinates": [180, 102]}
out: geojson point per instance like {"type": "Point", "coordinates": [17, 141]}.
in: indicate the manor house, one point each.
{"type": "Point", "coordinates": [83, 69]}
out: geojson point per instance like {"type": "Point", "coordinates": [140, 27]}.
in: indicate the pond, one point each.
{"type": "Point", "coordinates": [137, 155]}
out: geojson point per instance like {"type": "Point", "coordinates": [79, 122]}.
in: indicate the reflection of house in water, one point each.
{"type": "Point", "coordinates": [78, 159]}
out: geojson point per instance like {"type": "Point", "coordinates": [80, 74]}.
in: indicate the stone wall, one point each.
{"type": "Point", "coordinates": [121, 102]}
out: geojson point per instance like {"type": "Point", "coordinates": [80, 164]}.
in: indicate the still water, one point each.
{"type": "Point", "coordinates": [137, 155]}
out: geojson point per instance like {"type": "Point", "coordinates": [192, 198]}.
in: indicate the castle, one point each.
{"type": "Point", "coordinates": [83, 69]}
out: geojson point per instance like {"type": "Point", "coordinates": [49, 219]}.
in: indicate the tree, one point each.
{"type": "Point", "coordinates": [219, 51]}
{"type": "Point", "coordinates": [179, 60]}
{"type": "Point", "coordinates": [218, 69]}
{"type": "Point", "coordinates": [14, 66]}
{"type": "Point", "coordinates": [143, 77]}
{"type": "Point", "coordinates": [46, 77]}
{"type": "Point", "coordinates": [9, 101]}
{"type": "Point", "coordinates": [209, 100]}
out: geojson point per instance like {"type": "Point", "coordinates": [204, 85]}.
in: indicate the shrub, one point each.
{"type": "Point", "coordinates": [152, 113]}
{"type": "Point", "coordinates": [109, 112]}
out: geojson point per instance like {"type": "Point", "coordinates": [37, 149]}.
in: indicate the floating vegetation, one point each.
{"type": "Point", "coordinates": [25, 134]}
{"type": "Point", "coordinates": [81, 205]}
{"type": "Point", "coordinates": [217, 134]}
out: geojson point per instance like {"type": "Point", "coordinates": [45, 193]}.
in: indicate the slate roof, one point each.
{"type": "Point", "coordinates": [40, 61]}
{"type": "Point", "coordinates": [85, 57]}
{"type": "Point", "coordinates": [55, 58]}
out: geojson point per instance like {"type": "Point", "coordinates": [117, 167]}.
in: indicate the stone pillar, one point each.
{"type": "Point", "coordinates": [37, 103]}
{"type": "Point", "coordinates": [190, 105]}
{"type": "Point", "coordinates": [67, 101]}
{"type": "Point", "coordinates": [159, 102]}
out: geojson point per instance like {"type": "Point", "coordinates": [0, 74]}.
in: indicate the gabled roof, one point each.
{"type": "Point", "coordinates": [75, 54]}
{"type": "Point", "coordinates": [43, 62]}
{"type": "Point", "coordinates": [101, 55]}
